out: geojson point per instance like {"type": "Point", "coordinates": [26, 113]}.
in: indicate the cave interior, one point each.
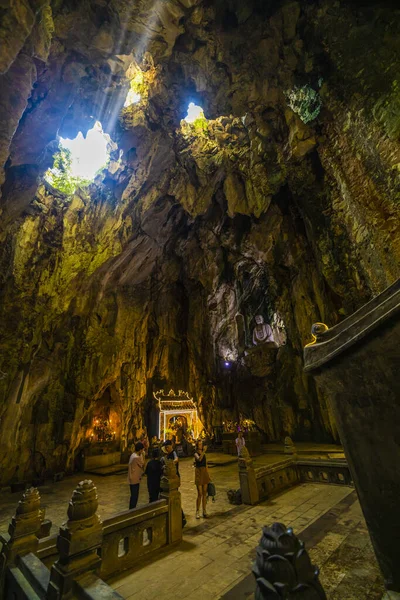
{"type": "Point", "coordinates": [248, 165]}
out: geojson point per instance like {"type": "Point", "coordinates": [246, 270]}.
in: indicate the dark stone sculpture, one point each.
{"type": "Point", "coordinates": [283, 569]}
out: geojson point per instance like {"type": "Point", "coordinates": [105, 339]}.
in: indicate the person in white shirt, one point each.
{"type": "Point", "coordinates": [135, 472]}
{"type": "Point", "coordinates": [240, 442]}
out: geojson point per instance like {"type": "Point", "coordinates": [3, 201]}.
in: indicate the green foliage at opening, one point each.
{"type": "Point", "coordinates": [138, 90]}
{"type": "Point", "coordinates": [197, 127]}
{"type": "Point", "coordinates": [60, 175]}
{"type": "Point", "coordinates": [305, 101]}
{"type": "Point", "coordinates": [138, 84]}
{"type": "Point", "coordinates": [200, 125]}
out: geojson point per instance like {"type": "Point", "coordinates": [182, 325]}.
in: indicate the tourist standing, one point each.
{"type": "Point", "coordinates": [240, 442]}
{"type": "Point", "coordinates": [135, 472]}
{"type": "Point", "coordinates": [170, 454]}
{"type": "Point", "coordinates": [154, 471]}
{"type": "Point", "coordinates": [201, 478]}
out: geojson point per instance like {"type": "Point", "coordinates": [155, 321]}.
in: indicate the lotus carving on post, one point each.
{"type": "Point", "coordinates": [283, 569]}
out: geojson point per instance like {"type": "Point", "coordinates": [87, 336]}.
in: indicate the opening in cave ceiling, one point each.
{"type": "Point", "coordinates": [132, 98]}
{"type": "Point", "coordinates": [79, 160]}
{"type": "Point", "coordinates": [194, 112]}
{"type": "Point", "coordinates": [136, 89]}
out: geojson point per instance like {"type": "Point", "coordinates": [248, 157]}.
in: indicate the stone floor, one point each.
{"type": "Point", "coordinates": [214, 559]}
{"type": "Point", "coordinates": [346, 559]}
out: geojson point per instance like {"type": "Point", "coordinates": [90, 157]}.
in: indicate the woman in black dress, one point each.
{"type": "Point", "coordinates": [201, 478]}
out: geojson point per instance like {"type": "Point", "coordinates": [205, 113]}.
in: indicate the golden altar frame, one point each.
{"type": "Point", "coordinates": [176, 404]}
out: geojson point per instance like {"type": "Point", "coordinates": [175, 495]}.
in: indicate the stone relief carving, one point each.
{"type": "Point", "coordinates": [262, 332]}
{"type": "Point", "coordinates": [278, 329]}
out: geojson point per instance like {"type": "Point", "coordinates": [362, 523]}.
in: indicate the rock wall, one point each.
{"type": "Point", "coordinates": [151, 277]}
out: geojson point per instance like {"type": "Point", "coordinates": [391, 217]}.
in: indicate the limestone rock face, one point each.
{"type": "Point", "coordinates": [284, 201]}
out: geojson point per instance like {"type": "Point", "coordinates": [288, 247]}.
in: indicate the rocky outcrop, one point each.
{"type": "Point", "coordinates": [152, 275]}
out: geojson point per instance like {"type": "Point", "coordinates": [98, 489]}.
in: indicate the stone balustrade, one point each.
{"type": "Point", "coordinates": [323, 471]}
{"type": "Point", "coordinates": [263, 482]}
{"type": "Point", "coordinates": [127, 537]}
{"type": "Point", "coordinates": [71, 564]}
{"type": "Point", "coordinates": [131, 535]}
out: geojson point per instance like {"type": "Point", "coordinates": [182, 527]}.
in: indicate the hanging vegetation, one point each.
{"type": "Point", "coordinates": [305, 101]}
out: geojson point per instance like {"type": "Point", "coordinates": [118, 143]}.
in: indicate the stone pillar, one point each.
{"type": "Point", "coordinates": [170, 483]}
{"type": "Point", "coordinates": [247, 478]}
{"type": "Point", "coordinates": [283, 568]}
{"type": "Point", "coordinates": [22, 531]}
{"type": "Point", "coordinates": [78, 542]}
{"type": "Point", "coordinates": [357, 365]}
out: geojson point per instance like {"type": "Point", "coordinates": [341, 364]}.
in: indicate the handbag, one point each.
{"type": "Point", "coordinates": [211, 490]}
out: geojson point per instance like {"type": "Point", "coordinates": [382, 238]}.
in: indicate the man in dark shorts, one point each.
{"type": "Point", "coordinates": [154, 472]}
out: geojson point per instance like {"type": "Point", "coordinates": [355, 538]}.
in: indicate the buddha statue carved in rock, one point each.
{"type": "Point", "coordinates": [262, 332]}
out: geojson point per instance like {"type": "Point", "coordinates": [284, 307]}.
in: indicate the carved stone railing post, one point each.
{"type": "Point", "coordinates": [78, 542]}
{"type": "Point", "coordinates": [283, 569]}
{"type": "Point", "coordinates": [247, 478]}
{"type": "Point", "coordinates": [22, 531]}
{"type": "Point", "coordinates": [170, 483]}
{"type": "Point", "coordinates": [290, 448]}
